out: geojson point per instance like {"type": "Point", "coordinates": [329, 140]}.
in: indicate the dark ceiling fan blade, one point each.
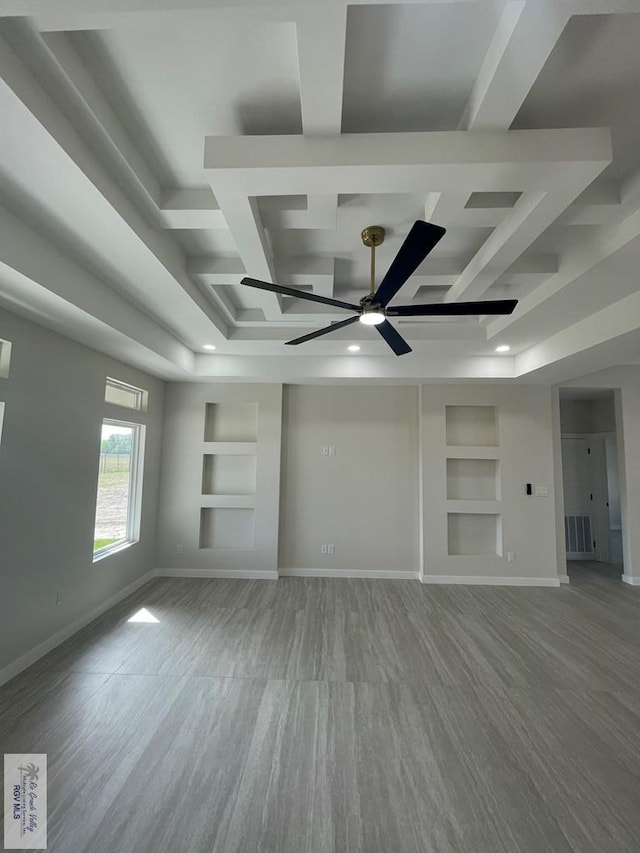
{"type": "Point", "coordinates": [393, 338]}
{"type": "Point", "coordinates": [300, 294]}
{"type": "Point", "coordinates": [324, 331]}
{"type": "Point", "coordinates": [420, 240]}
{"type": "Point", "coordinates": [454, 309]}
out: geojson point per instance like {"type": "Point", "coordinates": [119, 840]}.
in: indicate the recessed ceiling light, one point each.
{"type": "Point", "coordinates": [353, 348]}
{"type": "Point", "coordinates": [503, 348]}
{"type": "Point", "coordinates": [208, 346]}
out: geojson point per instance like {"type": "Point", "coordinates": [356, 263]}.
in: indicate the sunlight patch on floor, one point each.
{"type": "Point", "coordinates": [143, 615]}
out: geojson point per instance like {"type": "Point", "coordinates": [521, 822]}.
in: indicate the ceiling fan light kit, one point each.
{"type": "Point", "coordinates": [373, 310]}
{"type": "Point", "coordinates": [371, 317]}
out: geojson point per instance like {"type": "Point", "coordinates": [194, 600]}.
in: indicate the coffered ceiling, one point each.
{"type": "Point", "coordinates": [154, 152]}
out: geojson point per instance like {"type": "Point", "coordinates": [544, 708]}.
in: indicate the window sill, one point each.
{"type": "Point", "coordinates": [113, 549]}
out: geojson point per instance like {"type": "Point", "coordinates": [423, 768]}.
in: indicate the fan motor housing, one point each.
{"type": "Point", "coordinates": [373, 236]}
{"type": "Point", "coordinates": [367, 304]}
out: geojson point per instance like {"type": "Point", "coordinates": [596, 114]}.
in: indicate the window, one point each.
{"type": "Point", "coordinates": [121, 394]}
{"type": "Point", "coordinates": [5, 358]}
{"type": "Point", "coordinates": [119, 497]}
{"type": "Point", "coordinates": [1, 418]}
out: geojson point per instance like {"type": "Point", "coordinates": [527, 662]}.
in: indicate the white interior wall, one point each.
{"type": "Point", "coordinates": [238, 533]}
{"type": "Point", "coordinates": [525, 454]}
{"type": "Point", "coordinates": [49, 455]}
{"type": "Point", "coordinates": [363, 499]}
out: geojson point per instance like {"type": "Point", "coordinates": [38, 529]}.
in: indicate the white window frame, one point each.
{"type": "Point", "coordinates": [136, 470]}
{"type": "Point", "coordinates": [140, 395]}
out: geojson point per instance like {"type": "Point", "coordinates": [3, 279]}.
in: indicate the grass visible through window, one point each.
{"type": "Point", "coordinates": [102, 543]}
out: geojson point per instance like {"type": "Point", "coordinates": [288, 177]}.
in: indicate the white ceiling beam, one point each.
{"type": "Point", "coordinates": [243, 219]}
{"type": "Point", "coordinates": [526, 33]}
{"type": "Point", "coordinates": [195, 208]}
{"type": "Point", "coordinates": [525, 36]}
{"type": "Point", "coordinates": [566, 283]}
{"type": "Point", "coordinates": [97, 110]}
{"type": "Point", "coordinates": [142, 246]}
{"type": "Point", "coordinates": [531, 215]}
{"type": "Point", "coordinates": [216, 270]}
{"type": "Point", "coordinates": [599, 204]}
{"type": "Point", "coordinates": [602, 327]}
{"type": "Point", "coordinates": [321, 38]}
{"type": "Point", "coordinates": [93, 14]}
{"type": "Point", "coordinates": [31, 263]}
{"type": "Point", "coordinates": [551, 168]}
{"type": "Point", "coordinates": [392, 162]}
{"type": "Point", "coordinates": [445, 208]}
{"type": "Point", "coordinates": [322, 33]}
{"type": "Point", "coordinates": [425, 363]}
{"type": "Point", "coordinates": [321, 44]}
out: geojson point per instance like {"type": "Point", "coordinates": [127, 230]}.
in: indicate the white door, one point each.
{"type": "Point", "coordinates": [577, 475]}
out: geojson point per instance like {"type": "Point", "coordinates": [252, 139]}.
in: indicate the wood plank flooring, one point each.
{"type": "Point", "coordinates": [311, 715]}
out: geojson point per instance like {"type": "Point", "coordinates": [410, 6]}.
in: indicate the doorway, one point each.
{"type": "Point", "coordinates": [593, 528]}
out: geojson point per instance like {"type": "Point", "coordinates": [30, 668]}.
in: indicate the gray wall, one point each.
{"type": "Point", "coordinates": [364, 500]}
{"type": "Point", "coordinates": [183, 498]}
{"type": "Point", "coordinates": [49, 453]}
{"type": "Point", "coordinates": [524, 452]}
{"type": "Point", "coordinates": [588, 416]}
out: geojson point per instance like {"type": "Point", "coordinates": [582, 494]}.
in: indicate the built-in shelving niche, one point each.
{"type": "Point", "coordinates": [228, 474]}
{"type": "Point", "coordinates": [471, 426]}
{"type": "Point", "coordinates": [473, 480]}
{"type": "Point", "coordinates": [474, 534]}
{"type": "Point", "coordinates": [235, 422]}
{"type": "Point", "coordinates": [227, 527]}
{"type": "Point", "coordinates": [473, 476]}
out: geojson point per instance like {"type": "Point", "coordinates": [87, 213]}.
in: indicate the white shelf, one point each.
{"type": "Point", "coordinates": [474, 507]}
{"type": "Point", "coordinates": [232, 448]}
{"type": "Point", "coordinates": [469, 451]}
{"type": "Point", "coordinates": [228, 501]}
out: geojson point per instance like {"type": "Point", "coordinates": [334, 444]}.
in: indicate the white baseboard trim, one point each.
{"type": "Point", "coordinates": [251, 574]}
{"type": "Point", "coordinates": [486, 580]}
{"type": "Point", "coordinates": [632, 580]}
{"type": "Point", "coordinates": [63, 634]}
{"type": "Point", "coordinates": [347, 573]}
{"type": "Point", "coordinates": [564, 579]}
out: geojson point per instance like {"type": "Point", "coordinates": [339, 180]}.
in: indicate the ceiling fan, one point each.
{"type": "Point", "coordinates": [373, 309]}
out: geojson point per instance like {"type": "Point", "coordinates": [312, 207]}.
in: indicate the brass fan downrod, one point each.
{"type": "Point", "coordinates": [372, 237]}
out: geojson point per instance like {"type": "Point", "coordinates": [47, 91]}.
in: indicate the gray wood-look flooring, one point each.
{"type": "Point", "coordinates": [313, 715]}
